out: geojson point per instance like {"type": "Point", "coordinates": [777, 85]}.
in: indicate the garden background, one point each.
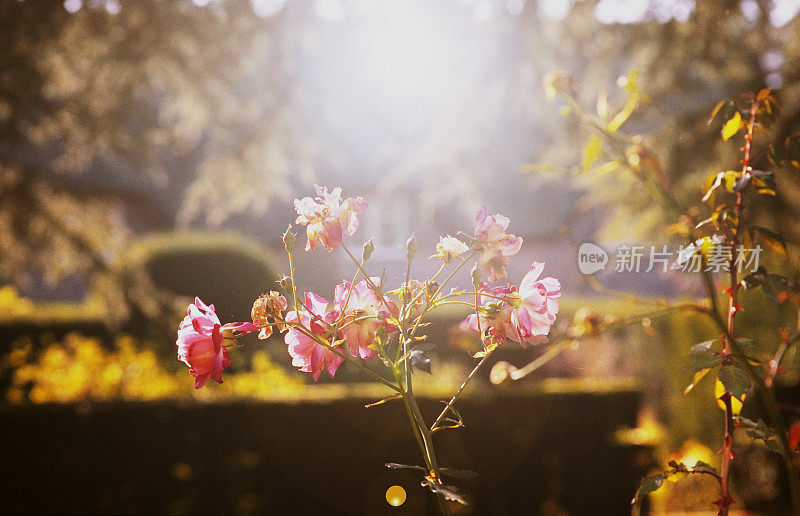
{"type": "Point", "coordinates": [150, 152]}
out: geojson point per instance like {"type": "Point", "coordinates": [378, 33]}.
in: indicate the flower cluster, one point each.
{"type": "Point", "coordinates": [321, 334]}
{"type": "Point", "coordinates": [366, 322]}
{"type": "Point", "coordinates": [327, 218]}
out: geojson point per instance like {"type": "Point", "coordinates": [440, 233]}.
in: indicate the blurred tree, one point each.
{"type": "Point", "coordinates": [208, 110]}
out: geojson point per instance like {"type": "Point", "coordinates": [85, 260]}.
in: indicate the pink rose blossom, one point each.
{"type": "Point", "coordinates": [537, 306]}
{"type": "Point", "coordinates": [327, 218]}
{"type": "Point", "coordinates": [495, 314]}
{"type": "Point", "coordinates": [307, 354]}
{"type": "Point", "coordinates": [495, 244]}
{"type": "Point", "coordinates": [200, 339]}
{"type": "Point", "coordinates": [365, 313]}
{"type": "Point", "coordinates": [523, 315]}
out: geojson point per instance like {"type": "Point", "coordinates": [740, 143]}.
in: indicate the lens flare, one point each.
{"type": "Point", "coordinates": [396, 496]}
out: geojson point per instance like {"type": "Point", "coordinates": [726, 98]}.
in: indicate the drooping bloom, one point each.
{"type": "Point", "coordinates": [495, 314]}
{"type": "Point", "coordinates": [535, 311]}
{"type": "Point", "coordinates": [523, 315]}
{"type": "Point", "coordinates": [327, 218]}
{"type": "Point", "coordinates": [449, 248]}
{"type": "Point", "coordinates": [268, 310]}
{"type": "Point", "coordinates": [307, 354]}
{"type": "Point", "coordinates": [364, 314]}
{"type": "Point", "coordinates": [200, 342]}
{"type": "Point", "coordinates": [412, 295]}
{"type": "Point", "coordinates": [494, 243]}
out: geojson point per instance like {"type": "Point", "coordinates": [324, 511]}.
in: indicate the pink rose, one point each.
{"type": "Point", "coordinates": [200, 339]}
{"type": "Point", "coordinates": [307, 354]}
{"type": "Point", "coordinates": [495, 315]}
{"type": "Point", "coordinates": [523, 315]}
{"type": "Point", "coordinates": [327, 218]}
{"type": "Point", "coordinates": [365, 313]}
{"type": "Point", "coordinates": [537, 307]}
{"type": "Point", "coordinates": [495, 244]}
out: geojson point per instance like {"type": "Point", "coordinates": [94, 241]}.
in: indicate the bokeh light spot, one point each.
{"type": "Point", "coordinates": [396, 496]}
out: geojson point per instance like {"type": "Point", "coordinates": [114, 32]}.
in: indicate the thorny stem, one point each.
{"type": "Point", "coordinates": [727, 451]}
{"type": "Point", "coordinates": [617, 140]}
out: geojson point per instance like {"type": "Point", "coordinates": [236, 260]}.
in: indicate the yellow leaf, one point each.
{"type": "Point", "coordinates": [488, 349]}
{"type": "Point", "coordinates": [592, 151]}
{"type": "Point", "coordinates": [719, 390]}
{"type": "Point", "coordinates": [623, 115]}
{"type": "Point", "coordinates": [697, 377]}
{"type": "Point", "coordinates": [772, 240]}
{"type": "Point", "coordinates": [706, 245]}
{"type": "Point", "coordinates": [715, 111]}
{"type": "Point", "coordinates": [384, 400]}
{"type": "Point", "coordinates": [730, 177]}
{"type": "Point", "coordinates": [732, 126]}
{"type": "Point", "coordinates": [678, 228]}
{"type": "Point", "coordinates": [607, 168]}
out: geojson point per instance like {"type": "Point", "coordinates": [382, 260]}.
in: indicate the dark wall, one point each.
{"type": "Point", "coordinates": [533, 453]}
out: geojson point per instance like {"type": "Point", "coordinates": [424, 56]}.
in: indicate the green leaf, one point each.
{"type": "Point", "coordinates": [381, 336]}
{"type": "Point", "coordinates": [745, 344]}
{"type": "Point", "coordinates": [735, 381]}
{"type": "Point", "coordinates": [420, 361]}
{"type": "Point", "coordinates": [704, 467]}
{"type": "Point", "coordinates": [755, 279]}
{"type": "Point", "coordinates": [703, 348]}
{"type": "Point", "coordinates": [678, 466]}
{"type": "Point", "coordinates": [704, 362]}
{"type": "Point", "coordinates": [774, 445]}
{"type": "Point", "coordinates": [647, 486]}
